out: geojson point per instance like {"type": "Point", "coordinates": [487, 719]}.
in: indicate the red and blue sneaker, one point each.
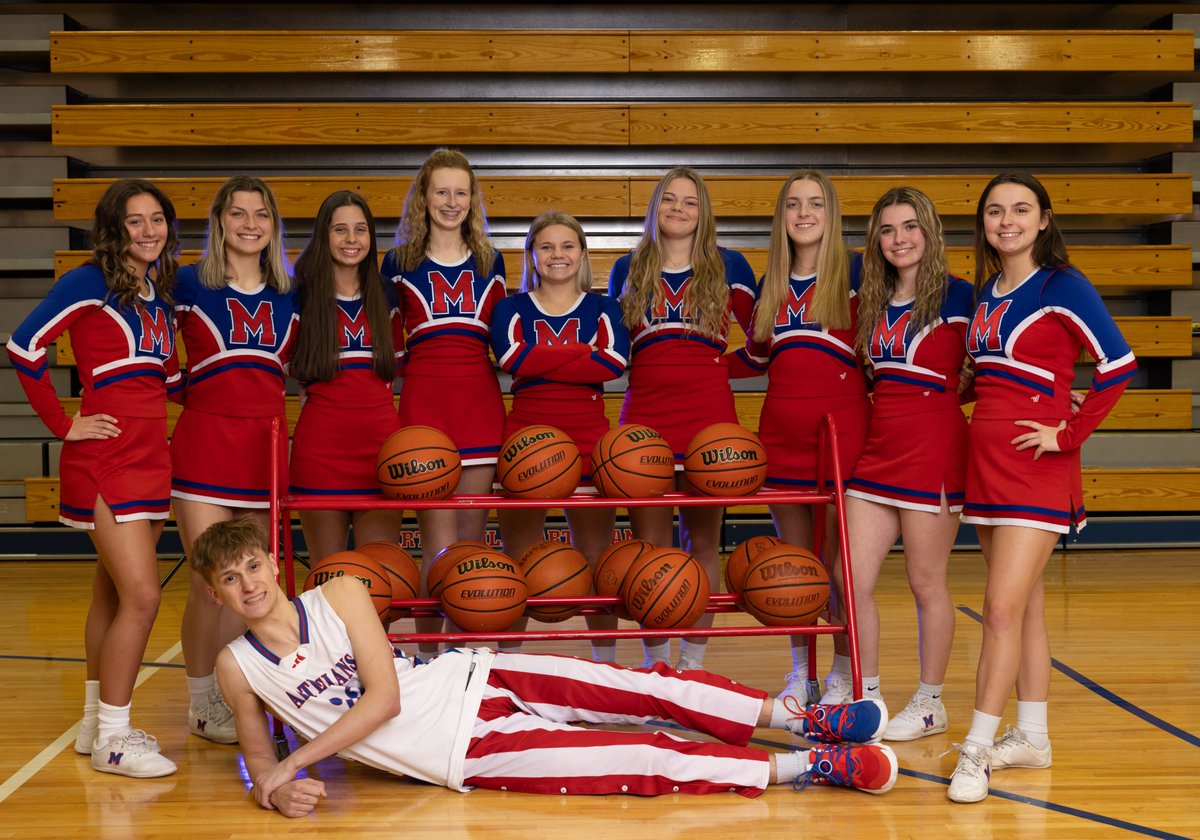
{"type": "Point", "coordinates": [867, 767]}
{"type": "Point", "coordinates": [860, 722]}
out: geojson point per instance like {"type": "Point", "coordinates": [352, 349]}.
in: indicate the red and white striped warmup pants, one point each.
{"type": "Point", "coordinates": [524, 739]}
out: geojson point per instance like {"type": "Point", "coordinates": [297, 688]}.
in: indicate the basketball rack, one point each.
{"type": "Point", "coordinates": [831, 492]}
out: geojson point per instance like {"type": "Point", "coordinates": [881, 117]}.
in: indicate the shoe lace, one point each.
{"type": "Point", "coordinates": [832, 765]}
{"type": "Point", "coordinates": [971, 754]}
{"type": "Point", "coordinates": [917, 707]}
{"type": "Point", "coordinates": [795, 708]}
{"type": "Point", "coordinates": [1011, 736]}
{"type": "Point", "coordinates": [138, 740]}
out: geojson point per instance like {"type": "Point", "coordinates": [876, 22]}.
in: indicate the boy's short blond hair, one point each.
{"type": "Point", "coordinates": [224, 543]}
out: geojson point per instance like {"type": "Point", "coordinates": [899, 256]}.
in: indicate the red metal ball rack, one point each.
{"type": "Point", "coordinates": [831, 493]}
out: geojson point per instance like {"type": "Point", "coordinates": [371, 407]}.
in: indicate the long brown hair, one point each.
{"type": "Point", "coordinates": [212, 267]}
{"type": "Point", "coordinates": [831, 298]}
{"type": "Point", "coordinates": [110, 242]}
{"type": "Point", "coordinates": [412, 234]}
{"type": "Point", "coordinates": [317, 340]}
{"type": "Point", "coordinates": [1048, 249]}
{"type": "Point", "coordinates": [706, 299]}
{"type": "Point", "coordinates": [880, 277]}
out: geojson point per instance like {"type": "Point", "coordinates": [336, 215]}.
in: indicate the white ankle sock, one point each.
{"type": "Point", "coordinates": [692, 652]}
{"type": "Point", "coordinates": [1032, 717]}
{"type": "Point", "coordinates": [604, 653]}
{"type": "Point", "coordinates": [112, 719]}
{"type": "Point", "coordinates": [658, 652]}
{"type": "Point", "coordinates": [200, 687]}
{"type": "Point", "coordinates": [789, 765]}
{"type": "Point", "coordinates": [871, 687]}
{"type": "Point", "coordinates": [91, 701]}
{"type": "Point", "coordinates": [800, 659]}
{"type": "Point", "coordinates": [932, 691]}
{"type": "Point", "coordinates": [841, 665]}
{"type": "Point", "coordinates": [983, 729]}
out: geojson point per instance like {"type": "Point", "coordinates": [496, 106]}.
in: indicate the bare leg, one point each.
{"type": "Point", "coordinates": [520, 530]}
{"type": "Point", "coordinates": [700, 536]}
{"type": "Point", "coordinates": [592, 533]}
{"type": "Point", "coordinates": [101, 613]}
{"type": "Point", "coordinates": [928, 539]}
{"type": "Point", "coordinates": [873, 529]}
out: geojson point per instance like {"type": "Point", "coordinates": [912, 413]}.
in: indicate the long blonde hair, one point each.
{"type": "Point", "coordinates": [880, 277]}
{"type": "Point", "coordinates": [530, 279]}
{"type": "Point", "coordinates": [831, 298]}
{"type": "Point", "coordinates": [706, 299]}
{"type": "Point", "coordinates": [212, 267]}
{"type": "Point", "coordinates": [412, 234]}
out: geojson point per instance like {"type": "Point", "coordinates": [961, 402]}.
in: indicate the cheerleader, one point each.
{"type": "Point", "coordinates": [561, 344]}
{"type": "Point", "coordinates": [912, 328]}
{"type": "Point", "coordinates": [236, 314]}
{"type": "Point", "coordinates": [677, 290]}
{"type": "Point", "coordinates": [345, 359]}
{"type": "Point", "coordinates": [449, 277]}
{"type": "Point", "coordinates": [115, 470]}
{"type": "Point", "coordinates": [1033, 317]}
{"type": "Point", "coordinates": [803, 331]}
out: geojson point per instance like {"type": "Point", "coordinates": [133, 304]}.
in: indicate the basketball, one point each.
{"type": "Point", "coordinates": [742, 556]}
{"type": "Point", "coordinates": [418, 462]}
{"type": "Point", "coordinates": [483, 591]}
{"type": "Point", "coordinates": [786, 584]}
{"type": "Point", "coordinates": [725, 459]}
{"type": "Point", "coordinates": [444, 559]}
{"type": "Point", "coordinates": [555, 570]}
{"type": "Point", "coordinates": [365, 568]}
{"type": "Point", "coordinates": [612, 567]}
{"type": "Point", "coordinates": [539, 462]}
{"type": "Point", "coordinates": [632, 461]}
{"type": "Point", "coordinates": [665, 588]}
{"type": "Point", "coordinates": [401, 570]}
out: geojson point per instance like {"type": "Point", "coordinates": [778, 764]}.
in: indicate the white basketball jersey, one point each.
{"type": "Point", "coordinates": [311, 687]}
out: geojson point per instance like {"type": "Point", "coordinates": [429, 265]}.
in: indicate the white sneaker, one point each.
{"type": "Point", "coordinates": [839, 690]}
{"type": "Point", "coordinates": [801, 689]}
{"type": "Point", "coordinates": [87, 735]}
{"type": "Point", "coordinates": [969, 781]}
{"type": "Point", "coordinates": [213, 720]}
{"type": "Point", "coordinates": [924, 715]}
{"type": "Point", "coordinates": [1014, 750]}
{"type": "Point", "coordinates": [685, 664]}
{"type": "Point", "coordinates": [131, 752]}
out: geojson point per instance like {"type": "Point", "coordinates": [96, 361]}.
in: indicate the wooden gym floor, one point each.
{"type": "Point", "coordinates": [1125, 632]}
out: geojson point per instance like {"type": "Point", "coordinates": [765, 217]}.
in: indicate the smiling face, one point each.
{"type": "Point", "coordinates": [901, 240]}
{"type": "Point", "coordinates": [248, 586]}
{"type": "Point", "coordinates": [1012, 219]}
{"type": "Point", "coordinates": [804, 214]}
{"type": "Point", "coordinates": [448, 198]}
{"type": "Point", "coordinates": [146, 227]}
{"type": "Point", "coordinates": [557, 255]}
{"type": "Point", "coordinates": [349, 236]}
{"type": "Point", "coordinates": [679, 209]}
{"type": "Point", "coordinates": [247, 223]}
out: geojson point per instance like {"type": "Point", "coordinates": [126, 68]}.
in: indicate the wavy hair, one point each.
{"type": "Point", "coordinates": [1048, 249]}
{"type": "Point", "coordinates": [831, 298]}
{"type": "Point", "coordinates": [317, 339]}
{"type": "Point", "coordinates": [110, 242]}
{"type": "Point", "coordinates": [412, 234]}
{"type": "Point", "coordinates": [213, 268]}
{"type": "Point", "coordinates": [529, 276]}
{"type": "Point", "coordinates": [706, 299]}
{"type": "Point", "coordinates": [880, 277]}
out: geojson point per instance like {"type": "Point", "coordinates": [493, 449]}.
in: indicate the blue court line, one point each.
{"type": "Point", "coordinates": [79, 659]}
{"type": "Point", "coordinates": [1117, 700]}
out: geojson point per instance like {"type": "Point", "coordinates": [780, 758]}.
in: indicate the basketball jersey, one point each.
{"type": "Point", "coordinates": [564, 356]}
{"type": "Point", "coordinates": [667, 335]}
{"type": "Point", "coordinates": [355, 383]}
{"type": "Point", "coordinates": [1025, 344]}
{"type": "Point", "coordinates": [447, 312]}
{"type": "Point", "coordinates": [125, 355]}
{"type": "Point", "coordinates": [910, 365]}
{"type": "Point", "coordinates": [237, 343]}
{"type": "Point", "coordinates": [801, 357]}
{"type": "Point", "coordinates": [311, 687]}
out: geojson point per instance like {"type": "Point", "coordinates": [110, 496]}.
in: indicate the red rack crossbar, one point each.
{"type": "Point", "coordinates": [282, 504]}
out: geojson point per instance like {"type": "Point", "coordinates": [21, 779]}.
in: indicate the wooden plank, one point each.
{"type": "Point", "coordinates": [775, 123]}
{"type": "Point", "coordinates": [314, 51]}
{"type": "Point", "coordinates": [1109, 267]}
{"type": "Point", "coordinates": [1142, 490]}
{"type": "Point", "coordinates": [593, 196]}
{"type": "Point", "coordinates": [41, 499]}
{"type": "Point", "coordinates": [1158, 336]}
{"type": "Point", "coordinates": [336, 124]}
{"type": "Point", "coordinates": [878, 52]}
{"type": "Point", "coordinates": [300, 198]}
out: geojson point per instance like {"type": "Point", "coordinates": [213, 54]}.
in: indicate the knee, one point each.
{"type": "Point", "coordinates": [142, 601]}
{"type": "Point", "coordinates": [1003, 616]}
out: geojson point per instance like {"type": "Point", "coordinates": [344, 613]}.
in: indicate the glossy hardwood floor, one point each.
{"type": "Point", "coordinates": [1125, 631]}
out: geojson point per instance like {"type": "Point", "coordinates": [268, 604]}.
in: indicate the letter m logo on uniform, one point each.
{"type": "Point", "coordinates": [457, 297]}
{"type": "Point", "coordinates": [671, 305]}
{"type": "Point", "coordinates": [545, 333]}
{"type": "Point", "coordinates": [156, 332]}
{"type": "Point", "coordinates": [984, 333]}
{"type": "Point", "coordinates": [889, 338]}
{"type": "Point", "coordinates": [243, 323]}
{"type": "Point", "coordinates": [353, 329]}
{"type": "Point", "coordinates": [794, 310]}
